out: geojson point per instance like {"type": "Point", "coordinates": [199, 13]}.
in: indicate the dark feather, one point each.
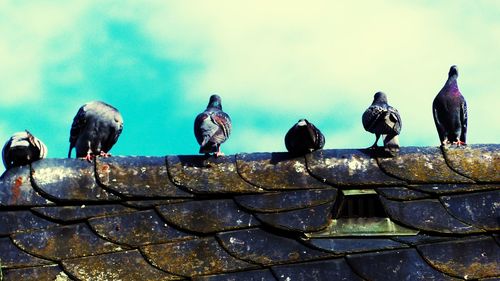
{"type": "Point", "coordinates": [381, 119]}
{"type": "Point", "coordinates": [303, 138]}
{"type": "Point", "coordinates": [449, 110]}
{"type": "Point", "coordinates": [212, 127]}
{"type": "Point", "coordinates": [22, 149]}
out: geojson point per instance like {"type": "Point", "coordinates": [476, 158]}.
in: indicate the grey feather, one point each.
{"type": "Point", "coordinates": [95, 129]}
{"type": "Point", "coordinates": [22, 149]}
{"type": "Point", "coordinates": [381, 119]}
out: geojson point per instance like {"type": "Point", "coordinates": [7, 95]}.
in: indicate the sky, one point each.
{"type": "Point", "coordinates": [272, 62]}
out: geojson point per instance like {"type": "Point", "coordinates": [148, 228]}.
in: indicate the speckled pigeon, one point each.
{"type": "Point", "coordinates": [382, 119]}
{"type": "Point", "coordinates": [450, 111]}
{"type": "Point", "coordinates": [212, 127]}
{"type": "Point", "coordinates": [303, 138]}
{"type": "Point", "coordinates": [22, 149]}
{"type": "Point", "coordinates": [95, 129]}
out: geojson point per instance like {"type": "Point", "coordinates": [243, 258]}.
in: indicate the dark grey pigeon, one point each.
{"type": "Point", "coordinates": [450, 111]}
{"type": "Point", "coordinates": [382, 119]}
{"type": "Point", "coordinates": [22, 149]}
{"type": "Point", "coordinates": [303, 138]}
{"type": "Point", "coordinates": [95, 129]}
{"type": "Point", "coordinates": [212, 127]}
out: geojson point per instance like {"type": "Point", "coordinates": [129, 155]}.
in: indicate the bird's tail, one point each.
{"type": "Point", "coordinates": [69, 152]}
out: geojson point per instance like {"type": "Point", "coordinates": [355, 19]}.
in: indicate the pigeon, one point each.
{"type": "Point", "coordinates": [382, 119]}
{"type": "Point", "coordinates": [22, 149]}
{"type": "Point", "coordinates": [95, 129]}
{"type": "Point", "coordinates": [450, 112]}
{"type": "Point", "coordinates": [212, 127]}
{"type": "Point", "coordinates": [303, 138]}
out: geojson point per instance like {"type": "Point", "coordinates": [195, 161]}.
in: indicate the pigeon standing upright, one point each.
{"type": "Point", "coordinates": [212, 127]}
{"type": "Point", "coordinates": [382, 119]}
{"type": "Point", "coordinates": [450, 111]}
{"type": "Point", "coordinates": [303, 138]}
{"type": "Point", "coordinates": [95, 129]}
{"type": "Point", "coordinates": [22, 149]}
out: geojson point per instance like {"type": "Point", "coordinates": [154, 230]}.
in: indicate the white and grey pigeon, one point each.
{"type": "Point", "coordinates": [303, 138]}
{"type": "Point", "coordinates": [450, 111]}
{"type": "Point", "coordinates": [22, 149]}
{"type": "Point", "coordinates": [95, 129]}
{"type": "Point", "coordinates": [382, 119]}
{"type": "Point", "coordinates": [212, 127]}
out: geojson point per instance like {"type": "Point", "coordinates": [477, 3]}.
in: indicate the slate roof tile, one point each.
{"type": "Point", "coordinates": [207, 216]}
{"type": "Point", "coordinates": [250, 275]}
{"type": "Point", "coordinates": [16, 189]}
{"type": "Point", "coordinates": [255, 216]}
{"type": "Point", "coordinates": [401, 264]}
{"type": "Point", "coordinates": [39, 273]}
{"type": "Point", "coordinates": [126, 265]}
{"type": "Point", "coordinates": [136, 229]}
{"type": "Point", "coordinates": [200, 174]}
{"type": "Point", "coordinates": [15, 221]}
{"type": "Point", "coordinates": [258, 246]}
{"type": "Point", "coordinates": [420, 165]}
{"type": "Point", "coordinates": [479, 209]}
{"type": "Point", "coordinates": [464, 258]}
{"type": "Point", "coordinates": [68, 180]}
{"type": "Point", "coordinates": [63, 242]}
{"type": "Point", "coordinates": [276, 171]}
{"type": "Point", "coordinates": [426, 214]}
{"type": "Point", "coordinates": [477, 161]}
{"type": "Point", "coordinates": [138, 176]}
{"type": "Point", "coordinates": [335, 269]}
{"type": "Point", "coordinates": [286, 200]}
{"type": "Point", "coordinates": [194, 257]}
{"type": "Point", "coordinates": [302, 220]}
{"type": "Point", "coordinates": [348, 167]}
{"type": "Point", "coordinates": [81, 212]}
{"type": "Point", "coordinates": [13, 257]}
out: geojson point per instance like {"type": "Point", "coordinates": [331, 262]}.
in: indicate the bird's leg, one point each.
{"type": "Point", "coordinates": [458, 142]}
{"type": "Point", "coordinates": [374, 145]}
{"type": "Point", "coordinates": [104, 154]}
{"type": "Point", "coordinates": [89, 157]}
{"type": "Point", "coordinates": [445, 141]}
{"type": "Point", "coordinates": [219, 153]}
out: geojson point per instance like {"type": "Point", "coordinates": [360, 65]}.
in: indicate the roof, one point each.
{"type": "Point", "coordinates": [341, 214]}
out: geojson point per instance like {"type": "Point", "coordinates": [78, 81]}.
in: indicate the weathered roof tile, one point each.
{"type": "Point", "coordinates": [68, 180]}
{"type": "Point", "coordinates": [421, 165]}
{"type": "Point", "coordinates": [353, 245]}
{"type": "Point", "coordinates": [194, 257]}
{"type": "Point", "coordinates": [481, 209]}
{"type": "Point", "coordinates": [348, 167]}
{"type": "Point", "coordinates": [258, 246]}
{"type": "Point", "coordinates": [276, 171]}
{"type": "Point", "coordinates": [285, 201]}
{"type": "Point", "coordinates": [127, 265]}
{"type": "Point", "coordinates": [402, 264]}
{"type": "Point", "coordinates": [77, 213]}
{"type": "Point", "coordinates": [450, 188]}
{"type": "Point", "coordinates": [303, 220]}
{"type": "Point", "coordinates": [250, 275]}
{"type": "Point", "coordinates": [401, 193]}
{"type": "Point", "coordinates": [426, 214]}
{"type": "Point", "coordinates": [12, 257]}
{"type": "Point", "coordinates": [465, 258]}
{"type": "Point", "coordinates": [148, 204]}
{"type": "Point", "coordinates": [200, 174]}
{"type": "Point", "coordinates": [139, 176]}
{"type": "Point", "coordinates": [39, 273]}
{"type": "Point", "coordinates": [335, 269]}
{"type": "Point", "coordinates": [207, 216]}
{"type": "Point", "coordinates": [477, 161]}
{"type": "Point", "coordinates": [63, 242]}
{"type": "Point", "coordinates": [14, 221]}
{"type": "Point", "coordinates": [16, 189]}
{"type": "Point", "coordinates": [136, 228]}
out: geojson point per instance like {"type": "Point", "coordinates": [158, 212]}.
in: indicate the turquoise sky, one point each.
{"type": "Point", "coordinates": [272, 62]}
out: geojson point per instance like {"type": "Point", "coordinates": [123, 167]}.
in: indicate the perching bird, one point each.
{"type": "Point", "coordinates": [95, 129]}
{"type": "Point", "coordinates": [212, 127]}
{"type": "Point", "coordinates": [382, 119]}
{"type": "Point", "coordinates": [303, 138]}
{"type": "Point", "coordinates": [450, 111]}
{"type": "Point", "coordinates": [22, 149]}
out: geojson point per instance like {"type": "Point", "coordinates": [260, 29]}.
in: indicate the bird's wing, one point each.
{"type": "Point", "coordinates": [372, 116]}
{"type": "Point", "coordinates": [435, 114]}
{"type": "Point", "coordinates": [463, 117]}
{"type": "Point", "coordinates": [76, 128]}
{"type": "Point", "coordinates": [396, 119]}
{"type": "Point", "coordinates": [223, 122]}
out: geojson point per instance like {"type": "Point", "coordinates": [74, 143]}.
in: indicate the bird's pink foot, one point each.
{"type": "Point", "coordinates": [104, 154]}
{"type": "Point", "coordinates": [218, 153]}
{"type": "Point", "coordinates": [458, 143]}
{"type": "Point", "coordinates": [89, 157]}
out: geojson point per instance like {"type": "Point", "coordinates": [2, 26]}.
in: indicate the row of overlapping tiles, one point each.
{"type": "Point", "coordinates": [120, 235]}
